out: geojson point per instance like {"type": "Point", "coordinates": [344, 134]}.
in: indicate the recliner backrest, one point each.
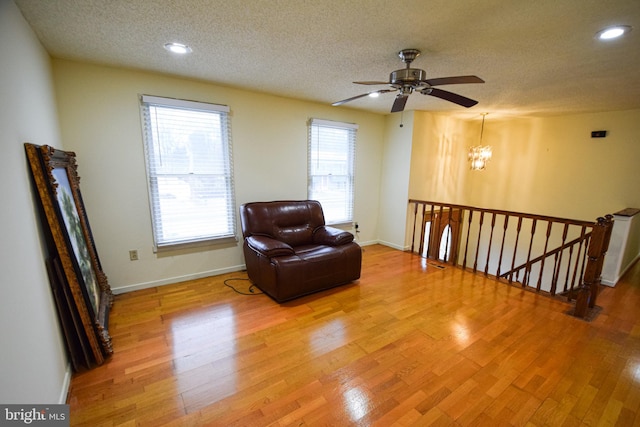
{"type": "Point", "coordinates": [290, 221]}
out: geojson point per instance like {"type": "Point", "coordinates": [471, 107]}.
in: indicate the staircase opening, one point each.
{"type": "Point", "coordinates": [551, 255]}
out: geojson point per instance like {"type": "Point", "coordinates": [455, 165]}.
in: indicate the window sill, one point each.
{"type": "Point", "coordinates": [195, 244]}
{"type": "Point", "coordinates": [345, 224]}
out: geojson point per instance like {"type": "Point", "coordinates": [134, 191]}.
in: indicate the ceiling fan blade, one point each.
{"type": "Point", "coordinates": [371, 83]}
{"type": "Point", "coordinates": [399, 103]}
{"type": "Point", "coordinates": [454, 80]}
{"type": "Point", "coordinates": [451, 97]}
{"type": "Point", "coordinates": [344, 101]}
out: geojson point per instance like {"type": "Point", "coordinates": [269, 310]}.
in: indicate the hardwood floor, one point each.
{"type": "Point", "coordinates": [409, 345]}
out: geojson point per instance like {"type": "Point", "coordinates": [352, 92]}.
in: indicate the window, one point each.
{"type": "Point", "coordinates": [332, 147]}
{"type": "Point", "coordinates": [189, 170]}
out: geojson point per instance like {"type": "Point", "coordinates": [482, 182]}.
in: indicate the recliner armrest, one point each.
{"type": "Point", "coordinates": [331, 236]}
{"type": "Point", "coordinates": [269, 247]}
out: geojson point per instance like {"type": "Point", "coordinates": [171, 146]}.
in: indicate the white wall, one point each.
{"type": "Point", "coordinates": [100, 120]}
{"type": "Point", "coordinates": [33, 364]}
{"type": "Point", "coordinates": [624, 248]}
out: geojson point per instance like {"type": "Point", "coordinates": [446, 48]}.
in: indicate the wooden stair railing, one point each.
{"type": "Point", "coordinates": [557, 253]}
{"type": "Point", "coordinates": [488, 240]}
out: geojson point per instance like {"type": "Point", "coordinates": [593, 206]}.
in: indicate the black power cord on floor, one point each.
{"type": "Point", "coordinates": [252, 288]}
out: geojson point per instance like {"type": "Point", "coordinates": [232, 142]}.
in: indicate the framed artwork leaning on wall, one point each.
{"type": "Point", "coordinates": [80, 287]}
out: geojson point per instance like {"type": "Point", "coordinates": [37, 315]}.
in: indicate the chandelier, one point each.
{"type": "Point", "coordinates": [480, 154]}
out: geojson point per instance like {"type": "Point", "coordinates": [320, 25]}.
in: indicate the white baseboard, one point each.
{"type": "Point", "coordinates": [368, 243]}
{"type": "Point", "coordinates": [394, 246]}
{"type": "Point", "coordinates": [66, 383]}
{"type": "Point", "coordinates": [171, 280]}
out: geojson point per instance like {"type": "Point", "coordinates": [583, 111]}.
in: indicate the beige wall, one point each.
{"type": "Point", "coordinates": [33, 362]}
{"type": "Point", "coordinates": [437, 170]}
{"type": "Point", "coordinates": [395, 179]}
{"type": "Point", "coordinates": [100, 120]}
{"type": "Point", "coordinates": [548, 165]}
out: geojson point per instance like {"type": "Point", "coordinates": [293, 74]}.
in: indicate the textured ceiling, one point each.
{"type": "Point", "coordinates": [537, 57]}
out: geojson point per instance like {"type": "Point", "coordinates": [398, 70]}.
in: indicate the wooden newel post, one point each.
{"type": "Point", "coordinates": [415, 219]}
{"type": "Point", "coordinates": [598, 246]}
{"type": "Point", "coordinates": [607, 227]}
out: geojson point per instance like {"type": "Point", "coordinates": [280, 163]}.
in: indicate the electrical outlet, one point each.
{"type": "Point", "coordinates": [133, 255]}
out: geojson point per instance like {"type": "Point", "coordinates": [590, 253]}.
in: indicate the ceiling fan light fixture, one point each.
{"type": "Point", "coordinates": [613, 32]}
{"type": "Point", "coordinates": [409, 80]}
{"type": "Point", "coordinates": [178, 48]}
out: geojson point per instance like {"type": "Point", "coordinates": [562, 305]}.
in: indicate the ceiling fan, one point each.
{"type": "Point", "coordinates": [409, 80]}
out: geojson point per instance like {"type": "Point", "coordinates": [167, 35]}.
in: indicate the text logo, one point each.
{"type": "Point", "coordinates": [36, 415]}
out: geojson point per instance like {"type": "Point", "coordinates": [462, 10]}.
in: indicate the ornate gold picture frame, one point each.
{"type": "Point", "coordinates": [82, 292]}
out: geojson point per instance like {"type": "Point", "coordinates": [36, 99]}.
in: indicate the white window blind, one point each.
{"type": "Point", "coordinates": [189, 169]}
{"type": "Point", "coordinates": [331, 157]}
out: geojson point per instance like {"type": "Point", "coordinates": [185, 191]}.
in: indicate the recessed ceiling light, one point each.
{"type": "Point", "coordinates": [177, 48]}
{"type": "Point", "coordinates": [613, 32]}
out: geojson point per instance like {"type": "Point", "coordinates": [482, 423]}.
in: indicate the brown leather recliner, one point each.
{"type": "Point", "coordinates": [290, 252]}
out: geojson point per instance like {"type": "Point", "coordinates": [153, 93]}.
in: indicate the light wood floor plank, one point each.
{"type": "Point", "coordinates": [410, 344]}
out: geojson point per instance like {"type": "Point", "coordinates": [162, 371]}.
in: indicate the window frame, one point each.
{"type": "Point", "coordinates": [317, 125]}
{"type": "Point", "coordinates": [160, 242]}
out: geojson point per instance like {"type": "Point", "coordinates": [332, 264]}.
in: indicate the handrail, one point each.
{"type": "Point", "coordinates": [555, 251]}
{"type": "Point", "coordinates": [482, 240]}
{"type": "Point", "coordinates": [503, 212]}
